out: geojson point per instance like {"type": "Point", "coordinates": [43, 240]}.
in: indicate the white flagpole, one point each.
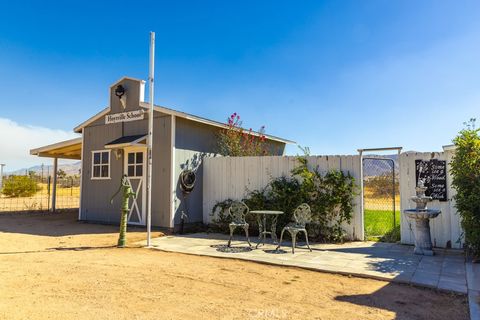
{"type": "Point", "coordinates": [150, 138]}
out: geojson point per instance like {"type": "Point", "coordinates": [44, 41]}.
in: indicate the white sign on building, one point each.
{"type": "Point", "coordinates": [124, 116]}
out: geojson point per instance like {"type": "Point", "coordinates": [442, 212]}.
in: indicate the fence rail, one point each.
{"type": "Point", "coordinates": [67, 195]}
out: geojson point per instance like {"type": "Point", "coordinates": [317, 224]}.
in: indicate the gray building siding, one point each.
{"type": "Point", "coordinates": [161, 185]}
{"type": "Point", "coordinates": [96, 194]}
{"type": "Point", "coordinates": [193, 141]}
{"type": "Point", "coordinates": [95, 202]}
{"type": "Point", "coordinates": [276, 148]}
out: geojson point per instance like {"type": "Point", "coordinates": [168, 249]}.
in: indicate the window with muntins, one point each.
{"type": "Point", "coordinates": [135, 164]}
{"type": "Point", "coordinates": [100, 164]}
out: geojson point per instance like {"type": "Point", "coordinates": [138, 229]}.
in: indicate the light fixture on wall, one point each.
{"type": "Point", "coordinates": [119, 91]}
{"type": "Point", "coordinates": [117, 153]}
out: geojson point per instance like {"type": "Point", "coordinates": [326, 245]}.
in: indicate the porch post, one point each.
{"type": "Point", "coordinates": [54, 187]}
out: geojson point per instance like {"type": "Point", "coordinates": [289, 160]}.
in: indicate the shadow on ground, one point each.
{"type": "Point", "coordinates": [53, 249]}
{"type": "Point", "coordinates": [54, 224]}
{"type": "Point", "coordinates": [233, 249]}
{"type": "Point", "coordinates": [83, 248]}
{"type": "Point", "coordinates": [406, 308]}
{"type": "Point", "coordinates": [386, 258]}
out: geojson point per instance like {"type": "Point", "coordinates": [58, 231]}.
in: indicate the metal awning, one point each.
{"type": "Point", "coordinates": [69, 149]}
{"type": "Point", "coordinates": [127, 141]}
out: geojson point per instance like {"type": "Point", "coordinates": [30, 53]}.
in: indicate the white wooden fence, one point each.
{"type": "Point", "coordinates": [233, 177]}
{"type": "Point", "coordinates": [445, 229]}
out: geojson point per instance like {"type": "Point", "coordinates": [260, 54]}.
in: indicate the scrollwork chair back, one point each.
{"type": "Point", "coordinates": [238, 211]}
{"type": "Point", "coordinates": [302, 215]}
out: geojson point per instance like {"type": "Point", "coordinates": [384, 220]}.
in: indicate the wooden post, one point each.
{"type": "Point", "coordinates": [54, 186]}
{"type": "Point", "coordinates": [1, 174]}
{"type": "Point", "coordinates": [360, 234]}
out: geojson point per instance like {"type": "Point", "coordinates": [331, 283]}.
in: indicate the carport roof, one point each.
{"type": "Point", "coordinates": [68, 149]}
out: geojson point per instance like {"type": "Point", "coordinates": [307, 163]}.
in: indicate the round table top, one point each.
{"type": "Point", "coordinates": [266, 212]}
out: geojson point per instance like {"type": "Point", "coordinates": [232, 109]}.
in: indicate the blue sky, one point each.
{"type": "Point", "coordinates": [332, 75]}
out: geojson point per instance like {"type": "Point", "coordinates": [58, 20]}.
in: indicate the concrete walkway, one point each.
{"type": "Point", "coordinates": [384, 261]}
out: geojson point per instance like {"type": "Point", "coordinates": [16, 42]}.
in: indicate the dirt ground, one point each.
{"type": "Point", "coordinates": [52, 267]}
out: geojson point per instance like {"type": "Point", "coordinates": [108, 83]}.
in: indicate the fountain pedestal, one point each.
{"type": "Point", "coordinates": [423, 240]}
{"type": "Point", "coordinates": [422, 216]}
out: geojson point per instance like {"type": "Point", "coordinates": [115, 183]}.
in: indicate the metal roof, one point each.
{"type": "Point", "coordinates": [126, 141]}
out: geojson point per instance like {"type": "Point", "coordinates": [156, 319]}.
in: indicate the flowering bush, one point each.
{"type": "Point", "coordinates": [234, 141]}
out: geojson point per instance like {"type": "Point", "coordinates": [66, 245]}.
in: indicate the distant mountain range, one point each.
{"type": "Point", "coordinates": [69, 168]}
{"type": "Point", "coordinates": [373, 167]}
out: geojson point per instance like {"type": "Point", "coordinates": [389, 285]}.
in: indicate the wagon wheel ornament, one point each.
{"type": "Point", "coordinates": [187, 183]}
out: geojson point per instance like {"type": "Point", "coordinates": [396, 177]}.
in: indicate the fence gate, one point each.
{"type": "Point", "coordinates": [33, 192]}
{"type": "Point", "coordinates": [381, 199]}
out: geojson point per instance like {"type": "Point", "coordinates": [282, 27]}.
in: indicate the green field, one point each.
{"type": "Point", "coordinates": [379, 225]}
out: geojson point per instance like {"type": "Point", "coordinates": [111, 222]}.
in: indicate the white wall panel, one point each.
{"type": "Point", "coordinates": [232, 178]}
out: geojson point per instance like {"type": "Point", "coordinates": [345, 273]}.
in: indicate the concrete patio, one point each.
{"type": "Point", "coordinates": [383, 261]}
{"type": "Point", "coordinates": [473, 281]}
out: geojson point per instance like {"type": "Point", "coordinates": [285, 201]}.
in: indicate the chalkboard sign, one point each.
{"type": "Point", "coordinates": [434, 175]}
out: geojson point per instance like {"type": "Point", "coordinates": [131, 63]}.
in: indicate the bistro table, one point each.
{"type": "Point", "coordinates": [262, 224]}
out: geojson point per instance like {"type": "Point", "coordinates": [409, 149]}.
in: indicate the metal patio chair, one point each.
{"type": "Point", "coordinates": [238, 210]}
{"type": "Point", "coordinates": [302, 215]}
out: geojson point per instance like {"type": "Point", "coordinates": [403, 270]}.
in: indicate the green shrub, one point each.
{"type": "Point", "coordinates": [392, 236]}
{"type": "Point", "coordinates": [19, 186]}
{"type": "Point", "coordinates": [465, 168]}
{"type": "Point", "coordinates": [330, 197]}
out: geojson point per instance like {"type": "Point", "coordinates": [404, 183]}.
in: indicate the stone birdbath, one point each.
{"type": "Point", "coordinates": [422, 215]}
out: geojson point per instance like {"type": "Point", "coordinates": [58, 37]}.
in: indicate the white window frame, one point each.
{"type": "Point", "coordinates": [109, 164]}
{"type": "Point", "coordinates": [135, 163]}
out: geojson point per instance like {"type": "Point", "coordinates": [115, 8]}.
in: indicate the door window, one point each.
{"type": "Point", "coordinates": [135, 164]}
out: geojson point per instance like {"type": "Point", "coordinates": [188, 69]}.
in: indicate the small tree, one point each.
{"type": "Point", "coordinates": [236, 142]}
{"type": "Point", "coordinates": [61, 174]}
{"type": "Point", "coordinates": [20, 186]}
{"type": "Point", "coordinates": [465, 168]}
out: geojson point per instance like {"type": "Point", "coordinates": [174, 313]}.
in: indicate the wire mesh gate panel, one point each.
{"type": "Point", "coordinates": [33, 192]}
{"type": "Point", "coordinates": [381, 200]}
